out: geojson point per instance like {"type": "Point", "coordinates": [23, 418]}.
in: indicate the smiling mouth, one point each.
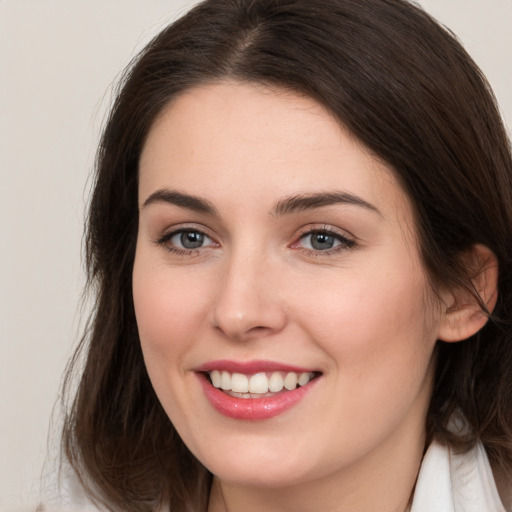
{"type": "Point", "coordinates": [258, 385]}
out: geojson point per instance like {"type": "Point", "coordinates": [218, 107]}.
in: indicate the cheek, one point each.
{"type": "Point", "coordinates": [169, 308]}
{"type": "Point", "coordinates": [170, 311]}
{"type": "Point", "coordinates": [379, 337]}
{"type": "Point", "coordinates": [372, 321]}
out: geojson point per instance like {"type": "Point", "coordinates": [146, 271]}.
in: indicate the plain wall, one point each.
{"type": "Point", "coordinates": [58, 60]}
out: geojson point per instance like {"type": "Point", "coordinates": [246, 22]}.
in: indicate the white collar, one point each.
{"type": "Point", "coordinates": [450, 482]}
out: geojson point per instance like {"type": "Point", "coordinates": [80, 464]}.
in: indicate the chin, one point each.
{"type": "Point", "coordinates": [273, 463]}
{"type": "Point", "coordinates": [261, 474]}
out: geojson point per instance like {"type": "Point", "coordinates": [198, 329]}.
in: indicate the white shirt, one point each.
{"type": "Point", "coordinates": [450, 482]}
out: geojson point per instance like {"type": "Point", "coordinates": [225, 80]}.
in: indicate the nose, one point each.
{"type": "Point", "coordinates": [248, 301]}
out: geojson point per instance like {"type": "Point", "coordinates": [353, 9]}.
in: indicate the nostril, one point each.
{"type": "Point", "coordinates": [259, 328]}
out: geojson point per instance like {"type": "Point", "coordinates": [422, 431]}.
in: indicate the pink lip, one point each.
{"type": "Point", "coordinates": [249, 367]}
{"type": "Point", "coordinates": [251, 409]}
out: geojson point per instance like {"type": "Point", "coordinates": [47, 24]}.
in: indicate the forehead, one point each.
{"type": "Point", "coordinates": [245, 141]}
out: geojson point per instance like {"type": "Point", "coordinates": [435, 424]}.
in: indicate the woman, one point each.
{"type": "Point", "coordinates": [300, 238]}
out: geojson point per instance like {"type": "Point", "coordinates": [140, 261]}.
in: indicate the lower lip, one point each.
{"type": "Point", "coordinates": [253, 409]}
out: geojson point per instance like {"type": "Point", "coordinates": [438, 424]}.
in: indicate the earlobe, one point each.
{"type": "Point", "coordinates": [463, 315]}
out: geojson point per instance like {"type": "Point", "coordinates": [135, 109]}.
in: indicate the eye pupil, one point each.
{"type": "Point", "coordinates": [191, 239]}
{"type": "Point", "coordinates": [322, 241]}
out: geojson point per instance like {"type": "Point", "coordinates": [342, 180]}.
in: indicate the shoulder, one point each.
{"type": "Point", "coordinates": [67, 495]}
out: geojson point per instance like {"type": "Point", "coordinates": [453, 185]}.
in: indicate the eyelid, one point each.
{"type": "Point", "coordinates": [347, 240]}
{"type": "Point", "coordinates": [164, 239]}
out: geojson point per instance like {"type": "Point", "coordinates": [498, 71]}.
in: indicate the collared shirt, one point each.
{"type": "Point", "coordinates": [451, 482]}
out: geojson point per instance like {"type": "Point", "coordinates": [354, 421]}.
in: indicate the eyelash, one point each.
{"type": "Point", "coordinates": [344, 242]}
{"type": "Point", "coordinates": [166, 238]}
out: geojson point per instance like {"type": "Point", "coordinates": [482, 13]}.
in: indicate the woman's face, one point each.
{"type": "Point", "coordinates": [275, 252]}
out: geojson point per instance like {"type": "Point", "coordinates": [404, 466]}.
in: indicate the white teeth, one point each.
{"type": "Point", "coordinates": [290, 381]}
{"type": "Point", "coordinates": [276, 382]}
{"type": "Point", "coordinates": [239, 383]}
{"type": "Point", "coordinates": [304, 378]}
{"type": "Point", "coordinates": [225, 381]}
{"type": "Point", "coordinates": [259, 383]}
{"type": "Point", "coordinates": [216, 378]}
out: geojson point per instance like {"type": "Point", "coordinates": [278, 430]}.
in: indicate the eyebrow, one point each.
{"type": "Point", "coordinates": [197, 204]}
{"type": "Point", "coordinates": [286, 206]}
{"type": "Point", "coordinates": [303, 202]}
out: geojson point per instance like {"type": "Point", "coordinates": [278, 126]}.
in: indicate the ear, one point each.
{"type": "Point", "coordinates": [463, 315]}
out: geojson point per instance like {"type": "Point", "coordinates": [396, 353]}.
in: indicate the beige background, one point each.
{"type": "Point", "coordinates": [58, 60]}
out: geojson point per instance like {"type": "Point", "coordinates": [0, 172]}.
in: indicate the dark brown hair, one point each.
{"type": "Point", "coordinates": [409, 92]}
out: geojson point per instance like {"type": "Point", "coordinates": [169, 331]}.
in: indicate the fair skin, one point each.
{"type": "Point", "coordinates": [333, 285]}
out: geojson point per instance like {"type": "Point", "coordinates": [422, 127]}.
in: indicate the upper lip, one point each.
{"type": "Point", "coordinates": [250, 367]}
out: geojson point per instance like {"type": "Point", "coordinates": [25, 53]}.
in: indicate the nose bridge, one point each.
{"type": "Point", "coordinates": [247, 301]}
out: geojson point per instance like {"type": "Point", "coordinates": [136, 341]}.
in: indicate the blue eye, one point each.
{"type": "Point", "coordinates": [186, 240]}
{"type": "Point", "coordinates": [324, 241]}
